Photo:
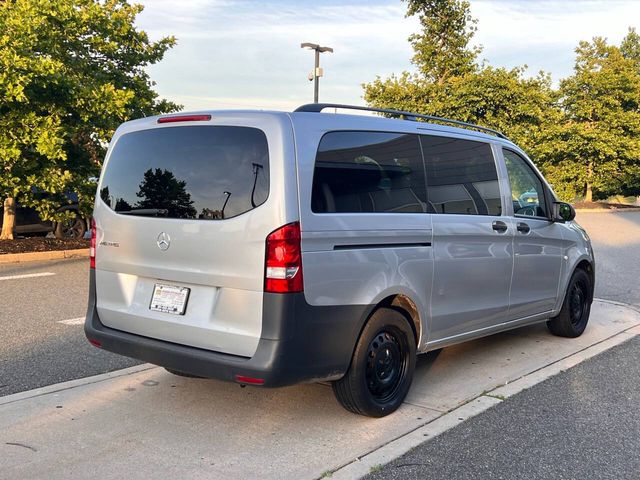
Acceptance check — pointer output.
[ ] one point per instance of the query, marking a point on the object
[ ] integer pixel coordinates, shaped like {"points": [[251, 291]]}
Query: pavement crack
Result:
{"points": [[29, 447]]}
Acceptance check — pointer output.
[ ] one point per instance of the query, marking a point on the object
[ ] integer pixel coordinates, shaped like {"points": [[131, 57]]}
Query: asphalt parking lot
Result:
{"points": [[208, 429], [42, 308], [616, 244]]}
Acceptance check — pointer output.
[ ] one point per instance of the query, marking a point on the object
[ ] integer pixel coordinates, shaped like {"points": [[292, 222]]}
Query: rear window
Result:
{"points": [[196, 172]]}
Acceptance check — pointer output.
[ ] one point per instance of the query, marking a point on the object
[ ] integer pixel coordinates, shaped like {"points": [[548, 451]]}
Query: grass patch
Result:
{"points": [[499, 397]]}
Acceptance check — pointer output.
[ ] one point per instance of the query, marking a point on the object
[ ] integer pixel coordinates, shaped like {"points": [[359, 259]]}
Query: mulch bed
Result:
{"points": [[40, 244], [605, 205]]}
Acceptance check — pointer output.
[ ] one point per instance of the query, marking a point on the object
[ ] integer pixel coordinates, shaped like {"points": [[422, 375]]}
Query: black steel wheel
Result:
{"points": [[574, 315], [381, 367], [386, 363], [74, 227]]}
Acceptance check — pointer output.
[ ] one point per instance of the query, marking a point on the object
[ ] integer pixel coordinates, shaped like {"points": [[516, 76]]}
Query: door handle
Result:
{"points": [[523, 227], [499, 226]]}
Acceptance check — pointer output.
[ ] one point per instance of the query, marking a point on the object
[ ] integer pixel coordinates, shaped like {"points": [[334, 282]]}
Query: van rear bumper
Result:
{"points": [[299, 343]]}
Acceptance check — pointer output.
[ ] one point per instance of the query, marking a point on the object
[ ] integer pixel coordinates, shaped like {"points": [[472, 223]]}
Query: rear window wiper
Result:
{"points": [[148, 212]]}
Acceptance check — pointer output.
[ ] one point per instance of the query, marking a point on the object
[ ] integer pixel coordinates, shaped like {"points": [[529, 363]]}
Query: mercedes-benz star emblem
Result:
{"points": [[164, 240]]}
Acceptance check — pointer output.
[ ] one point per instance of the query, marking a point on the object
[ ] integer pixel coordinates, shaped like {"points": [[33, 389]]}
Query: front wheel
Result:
{"points": [[381, 367], [574, 315]]}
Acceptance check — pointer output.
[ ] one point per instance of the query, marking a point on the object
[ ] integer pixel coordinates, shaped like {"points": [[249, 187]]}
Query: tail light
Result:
{"points": [[283, 261], [92, 246]]}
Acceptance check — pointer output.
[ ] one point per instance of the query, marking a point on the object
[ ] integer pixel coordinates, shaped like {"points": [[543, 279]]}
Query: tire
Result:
{"points": [[72, 228], [574, 315], [381, 368], [181, 374]]}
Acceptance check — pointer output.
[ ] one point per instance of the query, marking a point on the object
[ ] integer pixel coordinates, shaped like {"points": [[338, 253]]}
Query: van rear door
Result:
{"points": [[182, 215]]}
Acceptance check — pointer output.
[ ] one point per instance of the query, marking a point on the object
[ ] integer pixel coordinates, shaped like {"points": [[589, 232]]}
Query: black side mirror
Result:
{"points": [[563, 212]]}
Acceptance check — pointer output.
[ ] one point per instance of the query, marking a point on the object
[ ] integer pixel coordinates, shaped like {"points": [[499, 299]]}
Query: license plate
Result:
{"points": [[169, 299]]}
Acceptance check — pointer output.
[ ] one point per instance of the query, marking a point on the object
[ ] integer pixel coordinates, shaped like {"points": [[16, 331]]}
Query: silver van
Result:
{"points": [[273, 248]]}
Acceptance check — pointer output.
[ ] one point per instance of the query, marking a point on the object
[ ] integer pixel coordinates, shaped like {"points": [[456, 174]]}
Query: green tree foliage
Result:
{"points": [[70, 72], [630, 47], [598, 144], [584, 136]]}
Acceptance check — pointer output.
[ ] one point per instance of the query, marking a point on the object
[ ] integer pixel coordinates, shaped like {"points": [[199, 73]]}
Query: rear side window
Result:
{"points": [[461, 176], [368, 172], [196, 172]]}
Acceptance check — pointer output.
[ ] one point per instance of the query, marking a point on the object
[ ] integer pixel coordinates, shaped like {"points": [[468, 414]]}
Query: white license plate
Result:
{"points": [[169, 299]]}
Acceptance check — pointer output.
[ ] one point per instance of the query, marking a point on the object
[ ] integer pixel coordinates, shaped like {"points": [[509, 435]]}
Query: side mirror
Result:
{"points": [[563, 212]]}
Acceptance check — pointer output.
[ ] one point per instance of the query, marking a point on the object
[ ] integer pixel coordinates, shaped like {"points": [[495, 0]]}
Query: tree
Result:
{"points": [[630, 47], [451, 83], [599, 141], [160, 189], [442, 48], [71, 71]]}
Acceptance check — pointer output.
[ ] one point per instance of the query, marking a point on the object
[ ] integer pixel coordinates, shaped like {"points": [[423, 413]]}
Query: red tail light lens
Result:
{"points": [[283, 262], [92, 246]]}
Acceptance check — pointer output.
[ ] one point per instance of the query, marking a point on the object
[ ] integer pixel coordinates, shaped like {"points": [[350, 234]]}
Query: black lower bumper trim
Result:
{"points": [[299, 343]]}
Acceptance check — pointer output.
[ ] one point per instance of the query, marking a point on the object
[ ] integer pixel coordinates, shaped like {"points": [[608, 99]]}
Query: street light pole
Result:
{"points": [[317, 71], [316, 78]]}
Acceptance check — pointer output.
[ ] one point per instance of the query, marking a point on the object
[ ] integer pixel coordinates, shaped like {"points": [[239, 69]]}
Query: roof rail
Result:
{"points": [[318, 107]]}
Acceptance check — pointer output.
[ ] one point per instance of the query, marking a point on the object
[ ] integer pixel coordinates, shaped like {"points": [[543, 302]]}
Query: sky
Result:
{"points": [[246, 53]]}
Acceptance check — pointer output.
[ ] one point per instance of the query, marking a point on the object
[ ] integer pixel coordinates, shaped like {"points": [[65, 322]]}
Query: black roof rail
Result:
{"points": [[318, 107]]}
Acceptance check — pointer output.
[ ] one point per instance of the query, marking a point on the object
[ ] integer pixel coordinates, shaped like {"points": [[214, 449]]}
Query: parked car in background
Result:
{"points": [[28, 221]]}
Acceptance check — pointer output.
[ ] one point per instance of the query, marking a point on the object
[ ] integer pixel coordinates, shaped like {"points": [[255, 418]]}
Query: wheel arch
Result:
{"points": [[406, 306], [587, 265]]}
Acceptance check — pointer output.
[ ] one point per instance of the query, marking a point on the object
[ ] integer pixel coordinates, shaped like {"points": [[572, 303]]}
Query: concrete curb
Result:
{"points": [[398, 447], [50, 255], [607, 210], [58, 387]]}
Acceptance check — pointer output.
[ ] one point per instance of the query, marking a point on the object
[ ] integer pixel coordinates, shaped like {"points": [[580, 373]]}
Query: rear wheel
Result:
{"points": [[381, 368], [574, 315], [74, 227]]}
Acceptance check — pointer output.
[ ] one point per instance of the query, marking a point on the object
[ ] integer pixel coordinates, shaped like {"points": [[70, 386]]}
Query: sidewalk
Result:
{"points": [[144, 422]]}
